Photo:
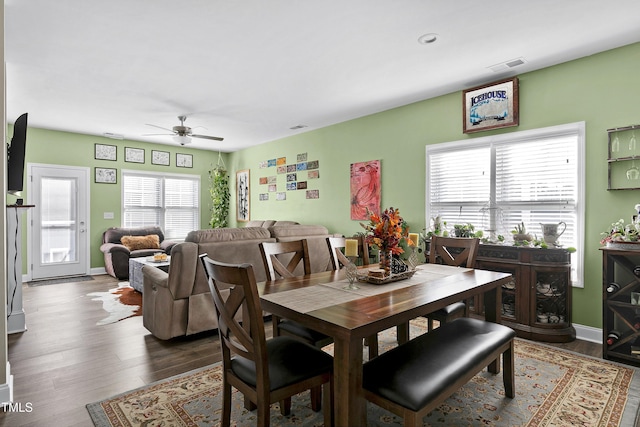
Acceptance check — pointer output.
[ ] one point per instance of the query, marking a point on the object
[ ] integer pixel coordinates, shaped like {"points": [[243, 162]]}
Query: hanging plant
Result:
{"points": [[220, 194]]}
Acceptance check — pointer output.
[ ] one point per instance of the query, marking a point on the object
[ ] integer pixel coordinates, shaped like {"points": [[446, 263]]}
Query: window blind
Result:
{"points": [[172, 202]]}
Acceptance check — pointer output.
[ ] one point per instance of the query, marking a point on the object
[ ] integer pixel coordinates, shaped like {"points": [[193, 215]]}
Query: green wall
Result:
{"points": [[601, 90], [63, 148]]}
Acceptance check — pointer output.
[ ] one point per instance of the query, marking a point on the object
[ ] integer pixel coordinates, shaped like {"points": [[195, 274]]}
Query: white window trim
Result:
{"points": [[155, 175], [571, 128]]}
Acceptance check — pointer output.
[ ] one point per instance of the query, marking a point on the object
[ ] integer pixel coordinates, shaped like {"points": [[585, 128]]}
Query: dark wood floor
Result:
{"points": [[64, 360]]}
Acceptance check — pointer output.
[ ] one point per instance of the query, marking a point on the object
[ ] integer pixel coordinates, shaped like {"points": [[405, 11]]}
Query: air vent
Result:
{"points": [[515, 62], [113, 135], [507, 65], [296, 127]]}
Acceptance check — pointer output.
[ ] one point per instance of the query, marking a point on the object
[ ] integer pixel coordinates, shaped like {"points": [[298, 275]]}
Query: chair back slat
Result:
{"points": [[439, 250], [281, 259]]}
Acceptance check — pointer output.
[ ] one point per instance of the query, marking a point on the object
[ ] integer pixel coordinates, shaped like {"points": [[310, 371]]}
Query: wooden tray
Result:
{"points": [[382, 280]]}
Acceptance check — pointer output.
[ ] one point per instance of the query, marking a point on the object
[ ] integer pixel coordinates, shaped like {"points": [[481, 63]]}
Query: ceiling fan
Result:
{"points": [[182, 134]]}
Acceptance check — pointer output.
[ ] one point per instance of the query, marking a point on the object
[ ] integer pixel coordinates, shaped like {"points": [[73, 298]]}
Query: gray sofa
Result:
{"points": [[179, 302]]}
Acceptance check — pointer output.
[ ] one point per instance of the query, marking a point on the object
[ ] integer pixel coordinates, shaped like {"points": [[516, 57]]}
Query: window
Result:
{"points": [[168, 200], [496, 182]]}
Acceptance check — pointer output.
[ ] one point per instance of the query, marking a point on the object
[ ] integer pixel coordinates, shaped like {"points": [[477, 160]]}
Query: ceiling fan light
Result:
{"points": [[182, 139]]}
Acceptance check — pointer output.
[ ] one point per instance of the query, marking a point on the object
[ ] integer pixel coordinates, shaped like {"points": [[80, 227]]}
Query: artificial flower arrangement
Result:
{"points": [[385, 231], [621, 232]]}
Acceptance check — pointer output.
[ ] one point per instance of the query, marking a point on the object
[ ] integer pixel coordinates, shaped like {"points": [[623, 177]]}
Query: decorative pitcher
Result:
{"points": [[550, 232]]}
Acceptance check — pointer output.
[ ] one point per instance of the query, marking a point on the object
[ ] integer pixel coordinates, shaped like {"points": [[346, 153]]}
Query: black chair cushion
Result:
{"points": [[418, 371], [290, 361], [297, 329]]}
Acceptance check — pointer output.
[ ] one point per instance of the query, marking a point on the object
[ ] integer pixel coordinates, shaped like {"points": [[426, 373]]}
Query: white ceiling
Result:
{"points": [[250, 70]]}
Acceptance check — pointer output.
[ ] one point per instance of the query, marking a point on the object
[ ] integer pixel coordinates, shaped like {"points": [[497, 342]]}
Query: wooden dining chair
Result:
{"points": [[264, 371], [290, 259], [455, 251], [336, 249]]}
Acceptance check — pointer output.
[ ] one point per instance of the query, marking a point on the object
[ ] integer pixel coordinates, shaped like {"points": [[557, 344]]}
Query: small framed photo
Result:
{"points": [[184, 160], [490, 106], [105, 152], [160, 158], [134, 155], [106, 175]]}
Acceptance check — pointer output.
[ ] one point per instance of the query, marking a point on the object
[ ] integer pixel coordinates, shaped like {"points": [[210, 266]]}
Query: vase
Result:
{"points": [[385, 261]]}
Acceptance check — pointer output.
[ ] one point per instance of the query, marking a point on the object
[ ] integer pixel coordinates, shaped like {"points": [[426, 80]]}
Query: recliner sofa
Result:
{"points": [[117, 254], [180, 303]]}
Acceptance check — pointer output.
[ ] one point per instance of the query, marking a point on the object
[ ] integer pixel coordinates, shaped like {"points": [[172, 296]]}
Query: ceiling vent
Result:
{"points": [[507, 65], [113, 135], [296, 127]]}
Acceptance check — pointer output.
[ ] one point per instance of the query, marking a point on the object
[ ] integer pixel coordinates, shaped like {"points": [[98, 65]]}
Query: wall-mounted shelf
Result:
{"points": [[623, 160]]}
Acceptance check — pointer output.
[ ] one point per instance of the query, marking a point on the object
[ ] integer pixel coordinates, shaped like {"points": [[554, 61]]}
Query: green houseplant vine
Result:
{"points": [[220, 194]]}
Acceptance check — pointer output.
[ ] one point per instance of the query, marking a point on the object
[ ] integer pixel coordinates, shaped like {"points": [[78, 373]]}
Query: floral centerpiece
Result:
{"points": [[385, 231], [620, 232]]}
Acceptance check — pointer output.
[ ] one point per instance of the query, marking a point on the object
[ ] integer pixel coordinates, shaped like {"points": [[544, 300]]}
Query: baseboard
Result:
{"points": [[92, 272], [97, 271], [588, 333], [6, 390]]}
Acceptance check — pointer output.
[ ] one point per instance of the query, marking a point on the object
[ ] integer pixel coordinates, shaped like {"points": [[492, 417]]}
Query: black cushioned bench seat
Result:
{"points": [[414, 378]]}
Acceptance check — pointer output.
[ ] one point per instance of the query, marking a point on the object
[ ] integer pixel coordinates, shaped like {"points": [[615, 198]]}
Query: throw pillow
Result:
{"points": [[133, 243]]}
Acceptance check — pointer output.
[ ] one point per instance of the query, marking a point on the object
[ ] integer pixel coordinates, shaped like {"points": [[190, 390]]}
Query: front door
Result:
{"points": [[58, 227]]}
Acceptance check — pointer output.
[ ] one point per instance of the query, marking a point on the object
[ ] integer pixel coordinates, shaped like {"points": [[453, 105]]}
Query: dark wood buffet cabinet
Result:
{"points": [[537, 303]]}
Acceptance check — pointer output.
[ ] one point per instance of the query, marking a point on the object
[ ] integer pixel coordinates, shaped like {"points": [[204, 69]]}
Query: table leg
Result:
{"points": [[350, 404], [492, 313]]}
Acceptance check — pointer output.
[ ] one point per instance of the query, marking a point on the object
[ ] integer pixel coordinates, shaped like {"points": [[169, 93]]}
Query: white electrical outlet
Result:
{"points": [[108, 215]]}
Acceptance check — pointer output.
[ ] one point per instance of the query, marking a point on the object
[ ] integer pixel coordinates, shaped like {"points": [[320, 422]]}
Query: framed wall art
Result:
{"points": [[160, 158], [491, 106], [184, 160], [106, 175], [242, 195], [105, 152], [365, 189], [134, 155]]}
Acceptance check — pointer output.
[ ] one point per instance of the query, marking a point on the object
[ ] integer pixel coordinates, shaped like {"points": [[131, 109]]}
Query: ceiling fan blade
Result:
{"points": [[158, 134], [215, 138], [160, 127]]}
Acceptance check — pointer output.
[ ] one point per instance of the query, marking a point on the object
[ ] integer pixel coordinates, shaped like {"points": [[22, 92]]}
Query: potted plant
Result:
{"points": [[520, 234], [220, 195], [464, 230]]}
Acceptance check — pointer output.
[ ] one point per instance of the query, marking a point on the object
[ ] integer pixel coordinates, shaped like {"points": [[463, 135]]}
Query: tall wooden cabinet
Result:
{"points": [[537, 303], [621, 305]]}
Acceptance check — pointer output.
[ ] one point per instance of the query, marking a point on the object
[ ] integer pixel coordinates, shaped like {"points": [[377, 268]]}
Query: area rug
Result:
{"points": [[61, 280], [120, 303], [553, 388]]}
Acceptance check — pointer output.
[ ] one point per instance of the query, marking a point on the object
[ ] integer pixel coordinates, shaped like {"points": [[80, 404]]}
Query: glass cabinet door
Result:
{"points": [[550, 296]]}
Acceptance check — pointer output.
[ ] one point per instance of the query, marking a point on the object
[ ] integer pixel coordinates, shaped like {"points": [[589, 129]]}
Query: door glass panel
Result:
{"points": [[58, 220]]}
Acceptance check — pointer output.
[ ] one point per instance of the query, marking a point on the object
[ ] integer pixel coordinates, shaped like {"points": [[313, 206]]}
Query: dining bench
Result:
{"points": [[416, 377]]}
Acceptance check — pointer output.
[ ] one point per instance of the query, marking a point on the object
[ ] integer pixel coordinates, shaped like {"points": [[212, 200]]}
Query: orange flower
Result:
{"points": [[386, 230]]}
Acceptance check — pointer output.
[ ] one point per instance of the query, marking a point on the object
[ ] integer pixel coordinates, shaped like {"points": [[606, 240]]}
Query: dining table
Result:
{"points": [[323, 302]]}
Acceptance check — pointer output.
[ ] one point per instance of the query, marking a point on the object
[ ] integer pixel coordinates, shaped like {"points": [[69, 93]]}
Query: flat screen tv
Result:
{"points": [[15, 156]]}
